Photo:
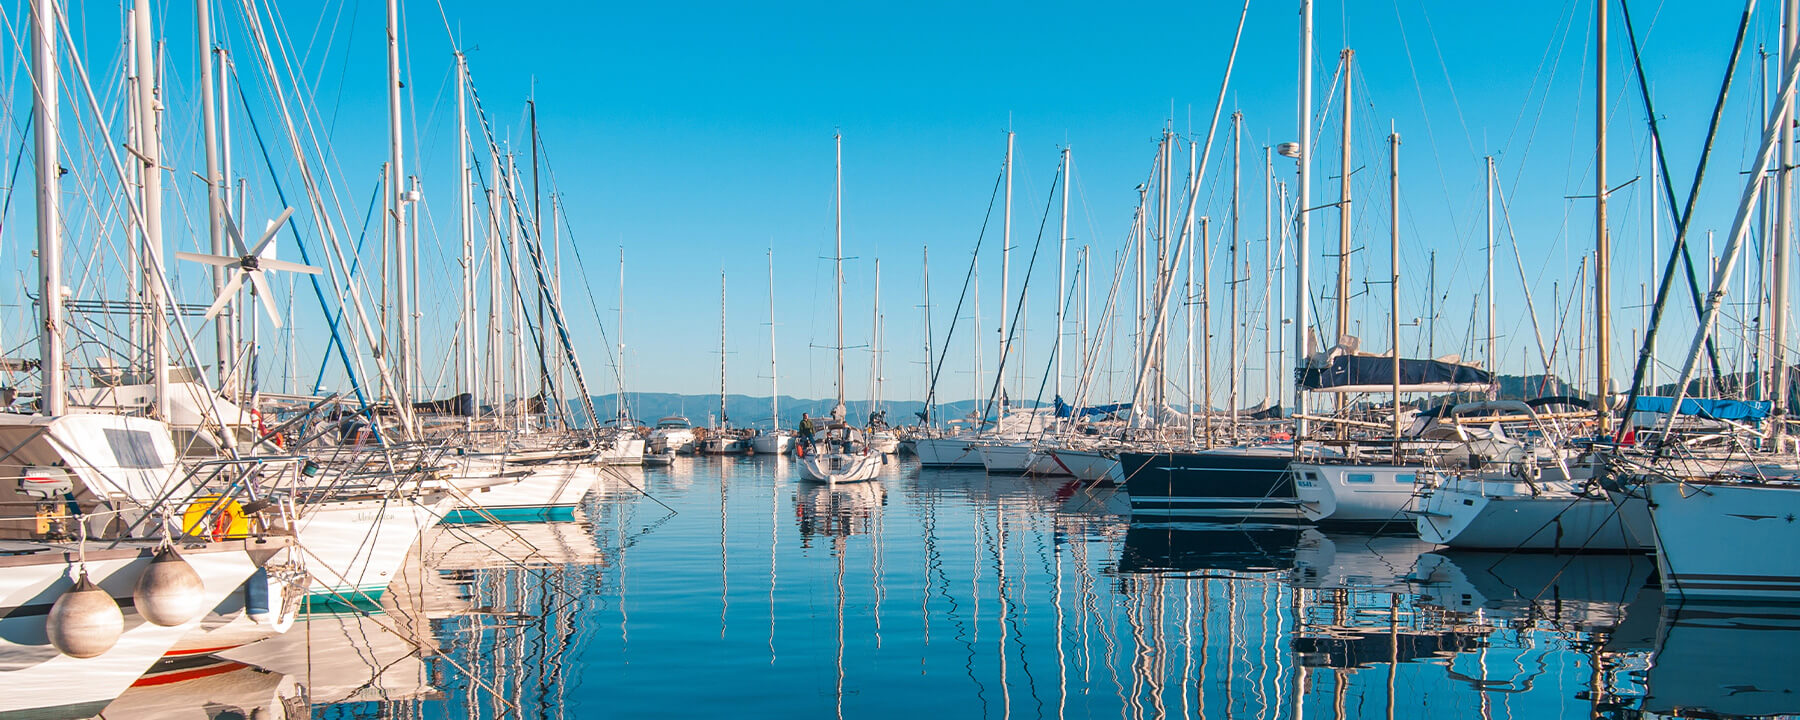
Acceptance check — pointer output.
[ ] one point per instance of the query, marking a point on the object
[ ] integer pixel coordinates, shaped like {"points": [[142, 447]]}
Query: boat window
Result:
{"points": [[1360, 478], [133, 448], [1405, 478]]}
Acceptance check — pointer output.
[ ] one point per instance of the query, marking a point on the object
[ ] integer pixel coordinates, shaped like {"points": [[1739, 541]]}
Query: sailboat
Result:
{"points": [[1723, 520], [775, 441], [838, 452], [720, 438]]}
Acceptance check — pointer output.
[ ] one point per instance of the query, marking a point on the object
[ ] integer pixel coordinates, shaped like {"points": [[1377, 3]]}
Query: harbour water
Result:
{"points": [[741, 590]]}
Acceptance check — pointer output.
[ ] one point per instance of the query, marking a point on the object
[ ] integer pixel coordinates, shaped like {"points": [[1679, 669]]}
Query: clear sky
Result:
{"points": [[698, 136]]}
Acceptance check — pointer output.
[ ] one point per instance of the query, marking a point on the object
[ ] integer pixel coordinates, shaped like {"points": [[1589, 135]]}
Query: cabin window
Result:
{"points": [[134, 449], [1360, 478], [1405, 478]]}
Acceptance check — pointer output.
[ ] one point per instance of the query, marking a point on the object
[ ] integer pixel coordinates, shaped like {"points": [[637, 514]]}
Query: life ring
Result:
{"points": [[229, 522]]}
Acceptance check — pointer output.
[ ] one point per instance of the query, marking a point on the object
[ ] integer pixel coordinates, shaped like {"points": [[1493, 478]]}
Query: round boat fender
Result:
{"points": [[170, 592], [85, 621]]}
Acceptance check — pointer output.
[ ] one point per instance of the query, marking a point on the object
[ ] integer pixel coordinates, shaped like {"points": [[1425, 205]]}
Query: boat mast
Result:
{"points": [[397, 198], [1602, 243], [215, 182], [1778, 304], [875, 344], [930, 387], [1348, 58], [226, 196], [149, 151], [720, 348], [1765, 156], [1203, 249], [1302, 233], [1062, 279], [1237, 176], [1268, 270], [496, 301], [1488, 182], [1188, 305], [521, 313], [1394, 273], [838, 411], [52, 398], [619, 400], [1165, 277], [774, 377], [465, 207], [1005, 271]]}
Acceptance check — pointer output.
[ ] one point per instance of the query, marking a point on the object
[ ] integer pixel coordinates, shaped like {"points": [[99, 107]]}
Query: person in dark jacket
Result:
{"points": [[806, 426]]}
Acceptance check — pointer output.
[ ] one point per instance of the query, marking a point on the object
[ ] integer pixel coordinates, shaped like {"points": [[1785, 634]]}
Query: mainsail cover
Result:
{"points": [[1375, 373], [1063, 409]]}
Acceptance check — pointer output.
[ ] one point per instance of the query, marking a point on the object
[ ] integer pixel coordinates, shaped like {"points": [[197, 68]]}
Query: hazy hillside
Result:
{"points": [[753, 411], [745, 410]]}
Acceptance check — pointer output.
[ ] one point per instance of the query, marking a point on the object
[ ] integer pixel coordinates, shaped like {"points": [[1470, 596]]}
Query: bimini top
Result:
{"points": [[674, 422]]}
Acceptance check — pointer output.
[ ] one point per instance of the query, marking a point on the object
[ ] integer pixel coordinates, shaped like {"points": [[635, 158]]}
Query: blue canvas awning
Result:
{"points": [[1063, 410], [1708, 408]]}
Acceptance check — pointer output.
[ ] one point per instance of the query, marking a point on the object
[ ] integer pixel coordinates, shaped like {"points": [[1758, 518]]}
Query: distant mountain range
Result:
{"points": [[748, 411], [753, 411]]}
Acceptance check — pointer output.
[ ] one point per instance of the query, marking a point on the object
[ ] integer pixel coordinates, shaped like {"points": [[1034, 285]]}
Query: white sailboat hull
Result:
{"points": [[1085, 465], [1727, 542], [497, 491], [836, 468], [42, 682], [777, 443], [621, 451], [1500, 515], [947, 452], [353, 548], [681, 441], [1018, 459], [1356, 493]]}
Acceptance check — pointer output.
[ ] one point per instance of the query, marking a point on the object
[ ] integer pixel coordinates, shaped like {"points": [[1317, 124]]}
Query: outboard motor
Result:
{"points": [[55, 493]]}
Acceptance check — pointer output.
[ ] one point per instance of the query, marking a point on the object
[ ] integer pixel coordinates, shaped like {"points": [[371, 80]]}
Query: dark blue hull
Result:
{"points": [[1220, 484]]}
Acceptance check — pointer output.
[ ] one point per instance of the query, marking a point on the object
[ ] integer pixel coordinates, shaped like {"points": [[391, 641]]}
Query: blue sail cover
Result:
{"points": [[1708, 408], [1063, 410], [1375, 373]]}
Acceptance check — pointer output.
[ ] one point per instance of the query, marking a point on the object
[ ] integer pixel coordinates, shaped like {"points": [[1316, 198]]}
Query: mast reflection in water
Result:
{"points": [[954, 594]]}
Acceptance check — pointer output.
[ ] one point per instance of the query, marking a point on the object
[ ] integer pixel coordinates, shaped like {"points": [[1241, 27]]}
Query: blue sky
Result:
{"points": [[698, 135]]}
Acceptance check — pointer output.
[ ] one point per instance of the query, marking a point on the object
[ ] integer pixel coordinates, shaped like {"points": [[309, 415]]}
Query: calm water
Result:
{"points": [[953, 594]]}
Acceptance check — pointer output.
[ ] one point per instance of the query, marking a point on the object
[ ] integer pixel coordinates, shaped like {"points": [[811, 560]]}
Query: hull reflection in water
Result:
{"points": [[1727, 660], [952, 594], [1188, 547]]}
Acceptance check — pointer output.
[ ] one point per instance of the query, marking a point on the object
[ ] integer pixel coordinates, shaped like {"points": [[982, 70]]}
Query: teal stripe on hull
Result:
{"points": [[343, 601], [466, 516]]}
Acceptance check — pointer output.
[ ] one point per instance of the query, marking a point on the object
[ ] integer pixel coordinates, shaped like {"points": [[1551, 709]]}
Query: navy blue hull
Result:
{"points": [[1210, 484]]}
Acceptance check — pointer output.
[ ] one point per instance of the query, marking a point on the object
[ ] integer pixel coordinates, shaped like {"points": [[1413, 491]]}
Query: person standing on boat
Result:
{"points": [[806, 426]]}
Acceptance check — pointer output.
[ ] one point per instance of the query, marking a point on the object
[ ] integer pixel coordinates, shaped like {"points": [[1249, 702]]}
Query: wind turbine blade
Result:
{"points": [[219, 260], [225, 295], [268, 235], [236, 235], [261, 291], [286, 266]]}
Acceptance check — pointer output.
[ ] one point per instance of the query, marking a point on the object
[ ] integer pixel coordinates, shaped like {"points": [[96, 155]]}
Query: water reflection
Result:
{"points": [[955, 594]]}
